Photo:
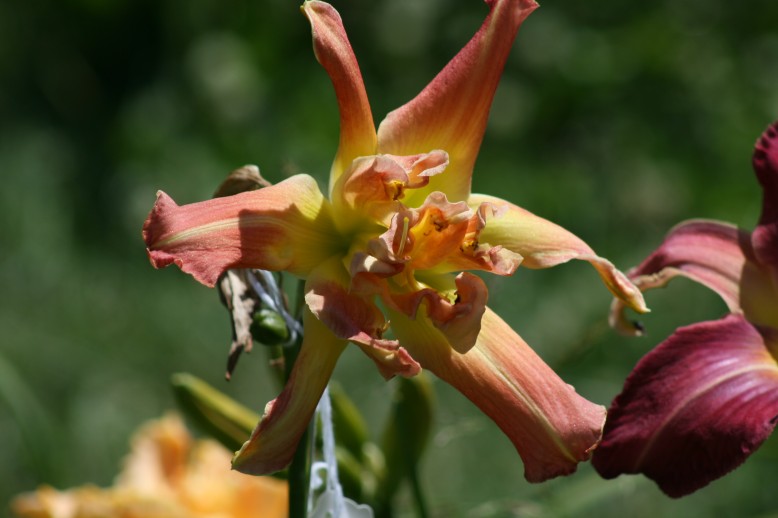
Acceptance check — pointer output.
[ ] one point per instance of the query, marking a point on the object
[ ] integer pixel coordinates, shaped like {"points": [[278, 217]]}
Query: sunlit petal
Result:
{"points": [[273, 442], [334, 52], [451, 112], [695, 407], [287, 226], [544, 244], [552, 427]]}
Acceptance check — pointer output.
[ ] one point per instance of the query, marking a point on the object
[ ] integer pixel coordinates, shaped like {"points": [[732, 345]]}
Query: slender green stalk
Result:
{"points": [[300, 475], [300, 469], [418, 494]]}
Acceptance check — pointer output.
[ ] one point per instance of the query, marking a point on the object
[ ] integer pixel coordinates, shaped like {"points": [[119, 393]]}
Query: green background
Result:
{"points": [[614, 119]]}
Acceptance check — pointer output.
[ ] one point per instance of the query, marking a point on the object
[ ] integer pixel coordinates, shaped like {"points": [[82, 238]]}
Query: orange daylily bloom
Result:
{"points": [[397, 226], [168, 474]]}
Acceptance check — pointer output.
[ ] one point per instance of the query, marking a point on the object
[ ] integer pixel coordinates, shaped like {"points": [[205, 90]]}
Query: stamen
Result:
{"points": [[404, 237]]}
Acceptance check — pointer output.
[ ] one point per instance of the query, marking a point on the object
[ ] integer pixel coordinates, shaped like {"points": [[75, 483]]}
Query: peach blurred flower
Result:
{"points": [[167, 474]]}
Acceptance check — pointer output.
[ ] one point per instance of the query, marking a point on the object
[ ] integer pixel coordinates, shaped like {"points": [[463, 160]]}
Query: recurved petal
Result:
{"points": [[274, 440], [544, 244], [765, 162], [451, 112], [287, 226], [552, 427], [695, 407], [705, 251], [334, 52], [353, 317]]}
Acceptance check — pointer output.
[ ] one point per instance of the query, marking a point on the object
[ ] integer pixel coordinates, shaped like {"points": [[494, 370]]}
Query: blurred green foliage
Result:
{"points": [[615, 120]]}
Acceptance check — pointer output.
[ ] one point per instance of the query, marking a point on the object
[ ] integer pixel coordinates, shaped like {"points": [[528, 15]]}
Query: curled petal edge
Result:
{"points": [[543, 244], [706, 251], [460, 320], [353, 317]]}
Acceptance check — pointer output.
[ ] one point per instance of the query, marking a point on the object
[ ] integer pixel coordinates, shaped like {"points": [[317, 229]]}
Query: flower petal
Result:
{"points": [[705, 251], [765, 162], [373, 186], [438, 237], [695, 407], [334, 52], [287, 226], [544, 244], [459, 320], [274, 440], [451, 112], [352, 317], [551, 426]]}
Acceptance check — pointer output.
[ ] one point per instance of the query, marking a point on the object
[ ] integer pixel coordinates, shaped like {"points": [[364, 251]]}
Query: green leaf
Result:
{"points": [[405, 438], [217, 414]]}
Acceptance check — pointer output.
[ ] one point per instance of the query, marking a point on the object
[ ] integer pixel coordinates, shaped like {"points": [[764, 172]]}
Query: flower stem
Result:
{"points": [[300, 468], [300, 476], [418, 494]]}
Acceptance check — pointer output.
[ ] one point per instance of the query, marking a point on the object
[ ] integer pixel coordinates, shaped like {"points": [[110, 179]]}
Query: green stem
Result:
{"points": [[300, 468], [300, 476], [418, 494]]}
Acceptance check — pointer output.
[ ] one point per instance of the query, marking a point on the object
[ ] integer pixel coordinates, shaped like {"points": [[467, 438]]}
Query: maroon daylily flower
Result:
{"points": [[700, 403]]}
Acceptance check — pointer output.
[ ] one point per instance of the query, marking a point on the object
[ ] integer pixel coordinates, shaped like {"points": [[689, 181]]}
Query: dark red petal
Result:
{"points": [[694, 408], [765, 162]]}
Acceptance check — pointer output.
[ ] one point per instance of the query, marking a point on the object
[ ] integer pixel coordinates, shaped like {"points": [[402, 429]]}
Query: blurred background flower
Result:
{"points": [[614, 120], [167, 474]]}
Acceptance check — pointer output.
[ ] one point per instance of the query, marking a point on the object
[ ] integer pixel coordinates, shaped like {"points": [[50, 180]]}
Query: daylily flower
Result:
{"points": [[167, 474], [700, 403], [398, 224]]}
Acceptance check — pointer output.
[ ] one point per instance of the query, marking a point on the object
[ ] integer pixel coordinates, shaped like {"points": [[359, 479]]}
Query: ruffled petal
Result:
{"points": [[287, 226], [551, 426], [352, 317], [373, 185], [476, 253], [460, 319], [695, 407], [334, 52], [544, 244], [274, 440], [765, 162], [451, 112], [705, 251], [438, 237]]}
